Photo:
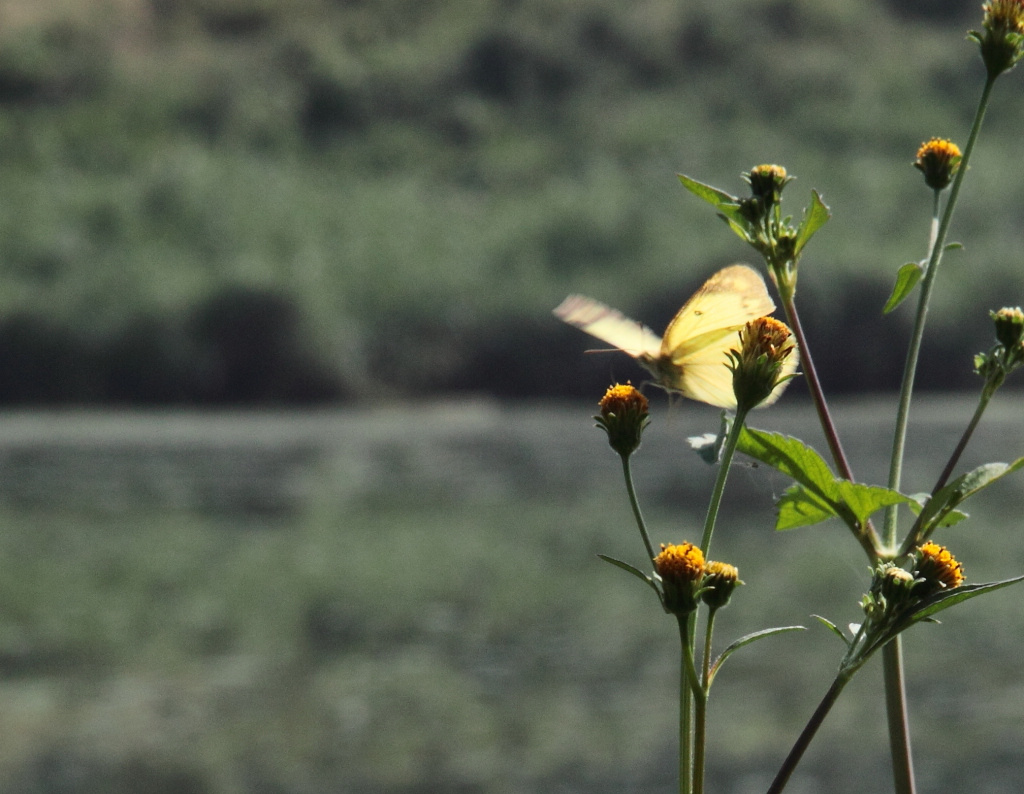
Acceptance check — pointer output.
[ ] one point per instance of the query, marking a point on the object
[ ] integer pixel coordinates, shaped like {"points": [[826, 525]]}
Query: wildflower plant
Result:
{"points": [[912, 577]]}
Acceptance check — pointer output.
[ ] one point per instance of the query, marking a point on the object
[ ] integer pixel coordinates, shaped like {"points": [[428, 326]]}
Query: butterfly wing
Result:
{"points": [[693, 351], [609, 326]]}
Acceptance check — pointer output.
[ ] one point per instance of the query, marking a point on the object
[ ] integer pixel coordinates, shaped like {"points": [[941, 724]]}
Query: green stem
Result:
{"points": [[686, 625], [928, 283], [635, 504], [807, 734], [700, 711], [728, 451], [916, 536], [896, 699], [896, 710]]}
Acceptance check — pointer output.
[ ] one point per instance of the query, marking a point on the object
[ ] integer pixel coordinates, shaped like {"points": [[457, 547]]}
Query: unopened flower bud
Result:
{"points": [[1009, 326], [938, 159], [766, 183], [763, 364], [720, 579], [623, 416], [1002, 39]]}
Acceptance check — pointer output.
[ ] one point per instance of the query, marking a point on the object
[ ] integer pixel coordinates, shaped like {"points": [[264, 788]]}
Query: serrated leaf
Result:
{"points": [[823, 495], [906, 279], [746, 640], [815, 217], [966, 485], [633, 570], [948, 598]]}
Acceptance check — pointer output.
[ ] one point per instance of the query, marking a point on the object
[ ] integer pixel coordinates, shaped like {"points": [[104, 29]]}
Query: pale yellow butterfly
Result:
{"points": [[691, 357]]}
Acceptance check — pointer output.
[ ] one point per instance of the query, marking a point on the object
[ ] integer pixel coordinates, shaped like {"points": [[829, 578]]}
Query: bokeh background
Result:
{"points": [[297, 485]]}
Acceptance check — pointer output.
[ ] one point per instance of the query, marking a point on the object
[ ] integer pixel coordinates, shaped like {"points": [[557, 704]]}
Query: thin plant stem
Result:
{"points": [[686, 625], [896, 709], [896, 698], [807, 734], [927, 284], [635, 504], [728, 451], [700, 710]]}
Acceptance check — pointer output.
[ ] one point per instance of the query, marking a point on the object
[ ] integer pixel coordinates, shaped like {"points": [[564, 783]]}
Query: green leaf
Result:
{"points": [[823, 494], [833, 628], [798, 507], [952, 517], [726, 204], [633, 570], [948, 598], [907, 278], [814, 218], [940, 506], [746, 640]]}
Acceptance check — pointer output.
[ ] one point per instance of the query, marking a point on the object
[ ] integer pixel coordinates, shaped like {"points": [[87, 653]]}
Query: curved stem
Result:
{"points": [[635, 504]]}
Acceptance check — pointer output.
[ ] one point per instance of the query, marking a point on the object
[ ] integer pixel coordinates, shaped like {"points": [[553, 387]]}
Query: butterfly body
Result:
{"points": [[691, 357]]}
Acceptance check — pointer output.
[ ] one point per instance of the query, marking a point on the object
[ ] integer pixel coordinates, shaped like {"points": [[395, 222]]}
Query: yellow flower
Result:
{"points": [[1009, 326], [763, 364], [681, 568], [939, 160], [721, 579], [623, 416], [938, 567]]}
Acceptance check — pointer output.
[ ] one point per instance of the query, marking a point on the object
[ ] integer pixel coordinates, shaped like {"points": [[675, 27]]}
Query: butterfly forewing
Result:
{"points": [[728, 300], [609, 326]]}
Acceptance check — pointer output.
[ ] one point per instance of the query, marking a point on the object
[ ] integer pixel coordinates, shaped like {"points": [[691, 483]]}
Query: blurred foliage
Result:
{"points": [[420, 181]]}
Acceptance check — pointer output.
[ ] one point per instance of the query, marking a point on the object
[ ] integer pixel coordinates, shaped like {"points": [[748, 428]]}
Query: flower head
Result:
{"points": [[681, 568], [1002, 40], [623, 416], [720, 579], [1009, 326], [766, 183], [937, 567], [939, 160], [764, 362]]}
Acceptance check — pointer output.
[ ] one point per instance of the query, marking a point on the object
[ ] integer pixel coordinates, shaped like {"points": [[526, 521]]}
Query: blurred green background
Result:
{"points": [[296, 201], [354, 216]]}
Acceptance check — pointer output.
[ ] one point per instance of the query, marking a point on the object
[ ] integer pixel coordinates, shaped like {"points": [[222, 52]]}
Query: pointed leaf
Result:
{"points": [[948, 598], [907, 278], [746, 640], [633, 570], [726, 204], [964, 486], [833, 628], [919, 500], [814, 218], [864, 500], [798, 507]]}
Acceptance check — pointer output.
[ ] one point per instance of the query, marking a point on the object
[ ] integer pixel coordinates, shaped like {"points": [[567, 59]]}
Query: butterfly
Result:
{"points": [[691, 357]]}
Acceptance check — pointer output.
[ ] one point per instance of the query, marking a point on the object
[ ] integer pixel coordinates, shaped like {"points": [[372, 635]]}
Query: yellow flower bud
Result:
{"points": [[681, 568], [763, 363], [938, 567], [939, 160], [623, 416], [721, 579]]}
